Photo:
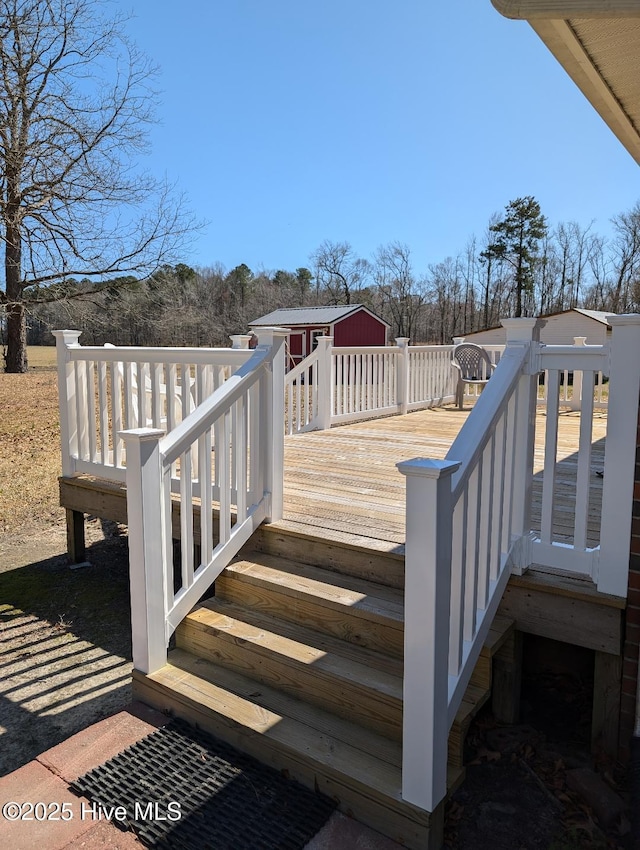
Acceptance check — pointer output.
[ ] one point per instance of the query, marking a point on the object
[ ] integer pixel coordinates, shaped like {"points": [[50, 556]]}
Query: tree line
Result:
{"points": [[93, 242], [521, 266]]}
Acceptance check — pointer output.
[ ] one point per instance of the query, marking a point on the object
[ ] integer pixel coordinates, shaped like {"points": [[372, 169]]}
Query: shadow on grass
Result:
{"points": [[65, 649]]}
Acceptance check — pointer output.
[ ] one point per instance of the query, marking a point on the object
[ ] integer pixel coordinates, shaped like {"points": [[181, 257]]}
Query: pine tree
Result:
{"points": [[516, 241]]}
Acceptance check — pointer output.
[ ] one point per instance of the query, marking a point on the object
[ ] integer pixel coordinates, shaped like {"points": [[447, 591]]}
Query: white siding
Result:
{"points": [[561, 329], [493, 336]]}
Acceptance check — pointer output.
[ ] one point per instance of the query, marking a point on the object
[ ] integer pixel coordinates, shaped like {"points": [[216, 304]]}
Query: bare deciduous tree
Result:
{"points": [[339, 270], [626, 260], [76, 98], [401, 295]]}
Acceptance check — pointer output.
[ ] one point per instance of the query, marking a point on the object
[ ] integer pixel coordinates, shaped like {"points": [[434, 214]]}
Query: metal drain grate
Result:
{"points": [[184, 790]]}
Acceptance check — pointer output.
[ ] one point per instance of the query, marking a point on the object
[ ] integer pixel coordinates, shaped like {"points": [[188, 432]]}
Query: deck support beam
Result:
{"points": [[605, 720], [76, 548], [506, 680]]}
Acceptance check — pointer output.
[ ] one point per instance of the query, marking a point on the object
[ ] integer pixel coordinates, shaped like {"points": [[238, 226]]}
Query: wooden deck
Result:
{"points": [[344, 482]]}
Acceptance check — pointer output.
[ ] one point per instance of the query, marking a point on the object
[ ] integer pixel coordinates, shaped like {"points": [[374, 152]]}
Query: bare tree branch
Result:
{"points": [[76, 101]]}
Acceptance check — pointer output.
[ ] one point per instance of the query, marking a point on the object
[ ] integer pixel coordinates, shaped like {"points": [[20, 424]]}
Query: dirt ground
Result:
{"points": [[64, 638]]}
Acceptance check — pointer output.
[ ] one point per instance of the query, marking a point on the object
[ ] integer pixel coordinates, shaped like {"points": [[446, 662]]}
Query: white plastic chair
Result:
{"points": [[474, 367]]}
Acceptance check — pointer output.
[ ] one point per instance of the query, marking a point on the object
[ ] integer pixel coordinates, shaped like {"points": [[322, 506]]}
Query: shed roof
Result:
{"points": [[596, 315], [597, 42], [295, 316]]}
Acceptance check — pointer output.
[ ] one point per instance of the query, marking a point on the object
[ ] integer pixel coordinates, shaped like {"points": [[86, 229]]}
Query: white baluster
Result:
{"points": [[402, 374]]}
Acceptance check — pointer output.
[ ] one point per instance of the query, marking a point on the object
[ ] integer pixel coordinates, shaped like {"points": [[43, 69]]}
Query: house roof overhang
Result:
{"points": [[598, 44]]}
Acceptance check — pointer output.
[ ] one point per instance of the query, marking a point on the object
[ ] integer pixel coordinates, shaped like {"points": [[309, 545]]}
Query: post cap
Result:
{"points": [[428, 467], [67, 337], [142, 434], [267, 336], [240, 340]]}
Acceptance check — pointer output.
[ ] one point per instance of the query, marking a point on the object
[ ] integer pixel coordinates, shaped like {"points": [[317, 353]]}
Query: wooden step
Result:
{"points": [[352, 609], [350, 554], [353, 682], [355, 766]]}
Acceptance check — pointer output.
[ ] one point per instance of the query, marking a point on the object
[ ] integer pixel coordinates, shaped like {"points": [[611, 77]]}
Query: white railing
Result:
{"points": [[465, 518], [367, 382], [591, 541], [431, 379], [469, 525], [238, 435], [334, 386], [105, 390], [569, 388], [302, 398]]}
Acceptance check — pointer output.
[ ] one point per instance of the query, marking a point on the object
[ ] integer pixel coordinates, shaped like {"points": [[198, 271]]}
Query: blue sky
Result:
{"points": [[288, 123]]}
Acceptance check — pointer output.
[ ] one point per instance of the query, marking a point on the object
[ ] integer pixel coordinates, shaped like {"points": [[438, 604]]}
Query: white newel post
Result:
{"points": [[272, 423], [67, 398], [576, 395], [402, 373], [523, 333], [426, 630], [240, 340], [148, 570], [619, 456], [326, 382]]}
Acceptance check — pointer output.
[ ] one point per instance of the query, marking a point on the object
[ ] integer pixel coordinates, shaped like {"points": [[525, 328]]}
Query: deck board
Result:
{"points": [[345, 479]]}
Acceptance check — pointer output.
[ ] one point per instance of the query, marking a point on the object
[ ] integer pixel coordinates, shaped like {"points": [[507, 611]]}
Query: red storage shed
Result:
{"points": [[352, 324]]}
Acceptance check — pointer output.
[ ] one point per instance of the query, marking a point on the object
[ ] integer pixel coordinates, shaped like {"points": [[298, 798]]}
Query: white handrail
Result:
{"points": [[470, 443], [239, 436], [139, 354], [469, 523], [301, 394], [464, 526], [184, 434]]}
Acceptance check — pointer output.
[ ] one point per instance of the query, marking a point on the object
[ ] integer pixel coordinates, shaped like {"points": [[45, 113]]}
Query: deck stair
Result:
{"points": [[298, 661]]}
